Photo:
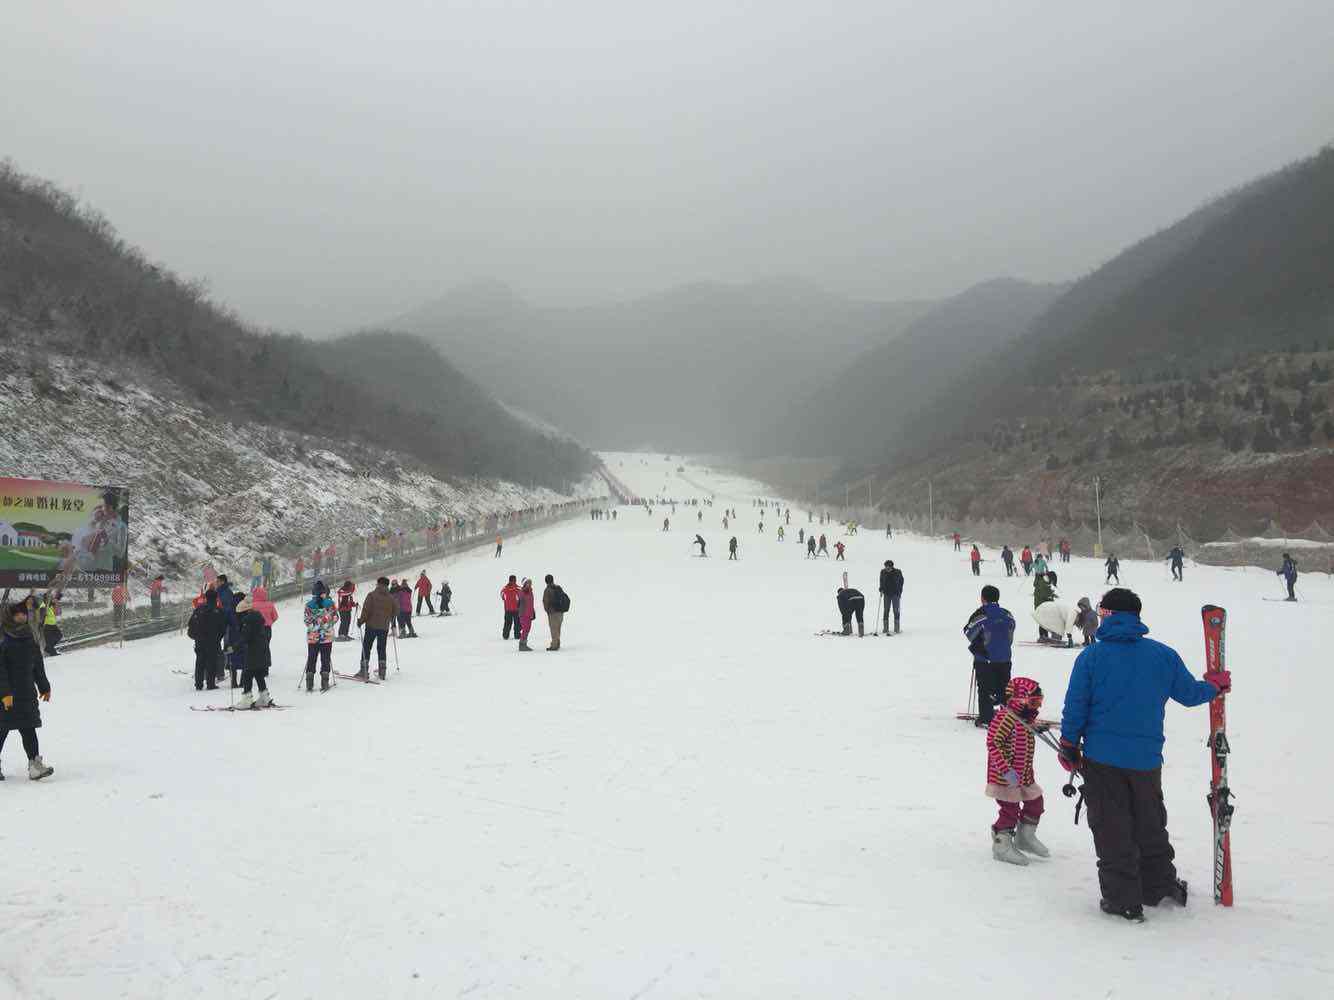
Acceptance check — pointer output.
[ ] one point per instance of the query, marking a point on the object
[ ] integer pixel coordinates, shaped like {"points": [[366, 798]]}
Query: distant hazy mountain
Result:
{"points": [[864, 405], [700, 367]]}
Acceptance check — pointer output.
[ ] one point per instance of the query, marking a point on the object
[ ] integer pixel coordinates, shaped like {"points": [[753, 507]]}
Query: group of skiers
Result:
{"points": [[519, 603], [1111, 734]]}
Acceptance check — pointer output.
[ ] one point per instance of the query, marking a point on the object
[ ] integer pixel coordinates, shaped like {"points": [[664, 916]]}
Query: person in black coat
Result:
{"points": [[253, 642], [851, 602], [207, 627], [891, 589], [446, 595], [22, 681]]}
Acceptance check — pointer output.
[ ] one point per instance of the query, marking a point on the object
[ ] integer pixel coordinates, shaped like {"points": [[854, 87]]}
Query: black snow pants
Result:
{"points": [[1128, 819], [991, 681], [321, 650], [344, 623], [206, 666], [29, 737], [376, 637], [511, 619]]}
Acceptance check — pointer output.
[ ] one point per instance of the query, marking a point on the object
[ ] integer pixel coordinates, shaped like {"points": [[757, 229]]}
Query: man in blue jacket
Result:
{"points": [[990, 632], [1112, 731]]}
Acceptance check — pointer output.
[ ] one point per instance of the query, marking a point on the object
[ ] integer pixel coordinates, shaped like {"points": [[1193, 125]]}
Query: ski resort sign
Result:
{"points": [[76, 534]]}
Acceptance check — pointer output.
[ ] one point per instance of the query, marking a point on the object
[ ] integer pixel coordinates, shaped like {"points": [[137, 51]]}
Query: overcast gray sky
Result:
{"points": [[327, 163]]}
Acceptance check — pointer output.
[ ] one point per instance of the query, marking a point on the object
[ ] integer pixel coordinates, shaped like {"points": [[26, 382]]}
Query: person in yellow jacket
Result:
{"points": [[50, 628]]}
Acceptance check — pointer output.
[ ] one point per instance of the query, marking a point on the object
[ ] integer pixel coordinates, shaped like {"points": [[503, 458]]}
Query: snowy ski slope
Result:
{"points": [[696, 797]]}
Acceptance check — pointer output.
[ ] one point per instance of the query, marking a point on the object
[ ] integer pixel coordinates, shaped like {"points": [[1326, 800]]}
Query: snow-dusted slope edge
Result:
{"points": [[204, 489]]}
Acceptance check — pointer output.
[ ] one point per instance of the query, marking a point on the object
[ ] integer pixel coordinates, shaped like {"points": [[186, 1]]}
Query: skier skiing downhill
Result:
{"points": [[699, 540], [23, 682], [1010, 778], [1113, 566], [320, 616], [1176, 559], [1289, 573], [1112, 733], [990, 634]]}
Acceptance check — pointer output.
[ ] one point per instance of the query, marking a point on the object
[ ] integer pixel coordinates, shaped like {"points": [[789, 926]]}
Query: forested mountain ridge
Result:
{"points": [[69, 285]]}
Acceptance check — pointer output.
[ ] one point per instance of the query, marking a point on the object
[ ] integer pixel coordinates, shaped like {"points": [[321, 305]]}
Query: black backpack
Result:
{"points": [[192, 629], [560, 600]]}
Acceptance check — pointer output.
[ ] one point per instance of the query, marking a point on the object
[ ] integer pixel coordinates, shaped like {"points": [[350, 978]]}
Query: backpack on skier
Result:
{"points": [[560, 600]]}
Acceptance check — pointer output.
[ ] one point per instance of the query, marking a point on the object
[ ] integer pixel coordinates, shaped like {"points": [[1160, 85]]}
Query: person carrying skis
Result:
{"points": [[206, 627], [810, 546], [891, 589], [1010, 778], [346, 602], [22, 682], [509, 598], [1113, 565], [527, 612], [975, 560], [1176, 559], [1112, 733], [851, 602], [1007, 558], [445, 594], [1289, 573], [839, 548], [731, 550], [1026, 560], [320, 616], [699, 540], [255, 634], [423, 588], [990, 633], [378, 612]]}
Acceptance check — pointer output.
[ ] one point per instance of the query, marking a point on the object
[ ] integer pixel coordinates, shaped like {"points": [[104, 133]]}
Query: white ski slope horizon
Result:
{"points": [[696, 797]]}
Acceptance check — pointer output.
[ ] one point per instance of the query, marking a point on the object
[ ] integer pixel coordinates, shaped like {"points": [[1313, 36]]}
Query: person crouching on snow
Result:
{"points": [[1010, 779]]}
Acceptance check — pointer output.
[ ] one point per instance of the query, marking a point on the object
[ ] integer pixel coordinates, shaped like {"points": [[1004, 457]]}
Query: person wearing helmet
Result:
{"points": [[1010, 779]]}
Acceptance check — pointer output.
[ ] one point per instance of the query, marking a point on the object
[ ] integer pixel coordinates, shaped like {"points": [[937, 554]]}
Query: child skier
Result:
{"points": [[1010, 779]]}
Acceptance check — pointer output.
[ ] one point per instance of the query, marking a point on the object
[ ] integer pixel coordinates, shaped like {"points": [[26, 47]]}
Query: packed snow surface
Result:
{"points": [[696, 797]]}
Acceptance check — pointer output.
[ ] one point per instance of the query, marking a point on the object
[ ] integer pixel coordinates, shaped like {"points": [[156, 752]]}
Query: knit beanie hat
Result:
{"points": [[1121, 599]]}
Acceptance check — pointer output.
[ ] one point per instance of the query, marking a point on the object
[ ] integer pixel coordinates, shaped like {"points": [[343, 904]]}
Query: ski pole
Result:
{"points": [[395, 634]]}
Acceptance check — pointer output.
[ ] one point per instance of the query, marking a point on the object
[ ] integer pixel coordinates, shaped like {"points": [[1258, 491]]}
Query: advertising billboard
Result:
{"points": [[73, 532]]}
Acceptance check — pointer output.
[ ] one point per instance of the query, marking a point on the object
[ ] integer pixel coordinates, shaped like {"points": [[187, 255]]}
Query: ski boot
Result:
{"points": [[364, 671], [1002, 848], [524, 647], [324, 681], [38, 769], [247, 701], [1177, 893], [382, 670], [310, 680], [264, 700], [861, 631], [1026, 839], [1135, 914], [847, 629]]}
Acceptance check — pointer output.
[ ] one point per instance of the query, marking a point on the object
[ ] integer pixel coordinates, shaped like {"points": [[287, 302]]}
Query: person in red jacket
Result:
{"points": [[975, 557], [840, 548], [509, 596], [424, 593], [119, 595], [1026, 558], [346, 603], [956, 542]]}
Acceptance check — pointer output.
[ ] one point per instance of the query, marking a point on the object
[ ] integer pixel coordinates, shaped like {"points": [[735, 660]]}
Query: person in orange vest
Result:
{"points": [[119, 595], [424, 593]]}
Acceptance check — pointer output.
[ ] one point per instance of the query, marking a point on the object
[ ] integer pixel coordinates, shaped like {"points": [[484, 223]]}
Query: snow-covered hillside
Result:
{"points": [[696, 797], [205, 490]]}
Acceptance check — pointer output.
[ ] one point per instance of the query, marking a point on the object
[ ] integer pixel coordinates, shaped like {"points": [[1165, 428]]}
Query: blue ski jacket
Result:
{"points": [[990, 631], [1118, 692]]}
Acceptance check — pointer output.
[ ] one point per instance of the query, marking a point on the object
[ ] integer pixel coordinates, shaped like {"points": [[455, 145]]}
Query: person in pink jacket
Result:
{"points": [[527, 612], [404, 595]]}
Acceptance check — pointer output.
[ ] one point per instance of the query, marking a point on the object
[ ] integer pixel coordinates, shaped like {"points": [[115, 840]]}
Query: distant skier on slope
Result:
{"points": [[975, 560], [1176, 559], [780, 532], [1289, 573], [1010, 778], [958, 542], [851, 602], [446, 593], [840, 549], [1007, 557], [699, 540], [1026, 560], [810, 547], [1113, 566], [731, 550], [1112, 733]]}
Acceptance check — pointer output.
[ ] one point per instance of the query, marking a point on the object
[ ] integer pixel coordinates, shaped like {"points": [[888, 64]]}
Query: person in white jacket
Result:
{"points": [[1059, 620]]}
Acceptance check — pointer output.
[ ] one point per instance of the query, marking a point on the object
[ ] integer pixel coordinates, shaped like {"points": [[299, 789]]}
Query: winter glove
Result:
{"points": [[7, 701], [1221, 679], [1069, 756], [46, 696], [1011, 778]]}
